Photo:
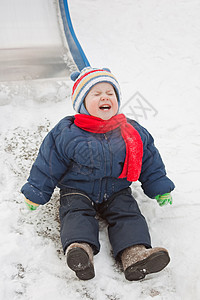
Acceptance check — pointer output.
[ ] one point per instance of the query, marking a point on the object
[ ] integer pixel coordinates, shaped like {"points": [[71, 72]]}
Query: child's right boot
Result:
{"points": [[138, 261], [80, 260]]}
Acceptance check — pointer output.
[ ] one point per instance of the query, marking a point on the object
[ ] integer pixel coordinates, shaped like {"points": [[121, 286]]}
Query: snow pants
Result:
{"points": [[126, 225]]}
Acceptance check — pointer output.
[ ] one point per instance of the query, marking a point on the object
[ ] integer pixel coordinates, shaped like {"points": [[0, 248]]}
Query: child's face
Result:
{"points": [[101, 101]]}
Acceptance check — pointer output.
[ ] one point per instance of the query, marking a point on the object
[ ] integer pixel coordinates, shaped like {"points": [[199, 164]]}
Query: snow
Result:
{"points": [[153, 49]]}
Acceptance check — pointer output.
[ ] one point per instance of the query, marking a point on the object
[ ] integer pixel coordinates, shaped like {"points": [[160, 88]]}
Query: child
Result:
{"points": [[93, 157]]}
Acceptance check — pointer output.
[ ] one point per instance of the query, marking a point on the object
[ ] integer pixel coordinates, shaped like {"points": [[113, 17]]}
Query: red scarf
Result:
{"points": [[132, 139]]}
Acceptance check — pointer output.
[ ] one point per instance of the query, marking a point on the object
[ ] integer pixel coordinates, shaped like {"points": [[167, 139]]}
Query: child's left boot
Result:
{"points": [[138, 261], [80, 260]]}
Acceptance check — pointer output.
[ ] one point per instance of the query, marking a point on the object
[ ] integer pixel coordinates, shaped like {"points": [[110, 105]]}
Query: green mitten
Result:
{"points": [[31, 205], [164, 199]]}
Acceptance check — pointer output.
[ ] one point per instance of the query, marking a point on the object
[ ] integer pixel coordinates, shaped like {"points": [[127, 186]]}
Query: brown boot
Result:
{"points": [[138, 261], [80, 260]]}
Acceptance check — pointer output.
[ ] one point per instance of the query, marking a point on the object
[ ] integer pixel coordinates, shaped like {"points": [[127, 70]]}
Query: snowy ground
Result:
{"points": [[153, 49]]}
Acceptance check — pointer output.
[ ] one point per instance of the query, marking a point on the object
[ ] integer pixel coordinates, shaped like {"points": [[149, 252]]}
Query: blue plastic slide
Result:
{"points": [[73, 43]]}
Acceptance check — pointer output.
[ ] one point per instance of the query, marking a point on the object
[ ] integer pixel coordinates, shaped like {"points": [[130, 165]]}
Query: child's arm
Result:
{"points": [[49, 167], [153, 174]]}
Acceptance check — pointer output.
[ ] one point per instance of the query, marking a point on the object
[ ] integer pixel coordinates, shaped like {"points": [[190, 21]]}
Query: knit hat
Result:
{"points": [[85, 80]]}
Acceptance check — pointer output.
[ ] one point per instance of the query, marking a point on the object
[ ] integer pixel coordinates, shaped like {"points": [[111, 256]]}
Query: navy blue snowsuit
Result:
{"points": [[85, 166]]}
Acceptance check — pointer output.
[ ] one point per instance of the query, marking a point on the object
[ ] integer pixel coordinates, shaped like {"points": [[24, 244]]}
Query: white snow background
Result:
{"points": [[153, 48]]}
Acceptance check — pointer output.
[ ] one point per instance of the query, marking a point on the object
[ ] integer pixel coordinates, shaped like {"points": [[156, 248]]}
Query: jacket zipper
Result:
{"points": [[105, 196]]}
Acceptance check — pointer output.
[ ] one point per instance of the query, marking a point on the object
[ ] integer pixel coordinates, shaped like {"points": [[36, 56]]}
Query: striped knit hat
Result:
{"points": [[85, 80]]}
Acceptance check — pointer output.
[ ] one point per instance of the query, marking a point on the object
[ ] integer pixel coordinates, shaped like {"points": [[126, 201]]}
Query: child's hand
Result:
{"points": [[164, 199], [31, 205]]}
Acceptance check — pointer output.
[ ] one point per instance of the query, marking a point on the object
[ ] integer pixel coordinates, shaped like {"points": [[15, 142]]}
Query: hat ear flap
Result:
{"points": [[74, 75], [106, 69]]}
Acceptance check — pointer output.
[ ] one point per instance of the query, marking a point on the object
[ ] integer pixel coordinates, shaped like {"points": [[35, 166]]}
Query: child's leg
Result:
{"points": [[130, 239], [127, 226], [77, 218]]}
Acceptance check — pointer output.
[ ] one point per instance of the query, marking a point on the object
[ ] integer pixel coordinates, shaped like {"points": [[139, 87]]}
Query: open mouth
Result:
{"points": [[105, 107]]}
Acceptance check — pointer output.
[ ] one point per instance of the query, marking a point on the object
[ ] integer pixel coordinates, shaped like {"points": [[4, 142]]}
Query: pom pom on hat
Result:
{"points": [[74, 75], [86, 79]]}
